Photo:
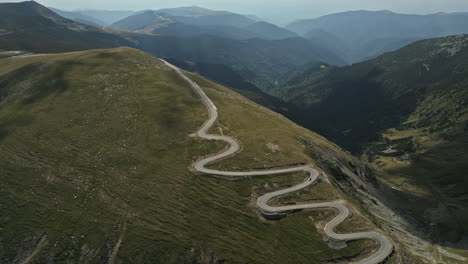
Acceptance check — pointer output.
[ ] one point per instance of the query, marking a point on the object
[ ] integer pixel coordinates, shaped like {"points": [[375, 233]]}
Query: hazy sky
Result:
{"points": [[280, 11]]}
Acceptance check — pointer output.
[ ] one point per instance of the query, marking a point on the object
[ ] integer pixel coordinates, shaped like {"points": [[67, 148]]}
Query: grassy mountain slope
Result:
{"points": [[31, 27], [366, 34], [95, 154], [420, 94]]}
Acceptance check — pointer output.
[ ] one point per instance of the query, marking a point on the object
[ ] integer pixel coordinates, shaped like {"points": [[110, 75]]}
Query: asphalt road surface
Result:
{"points": [[379, 256]]}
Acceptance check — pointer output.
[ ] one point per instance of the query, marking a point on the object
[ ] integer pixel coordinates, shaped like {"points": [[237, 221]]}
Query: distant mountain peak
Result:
{"points": [[196, 8], [363, 11], [190, 15], [29, 14], [254, 17], [387, 11], [263, 23], [33, 4], [193, 11], [35, 8], [29, 2]]}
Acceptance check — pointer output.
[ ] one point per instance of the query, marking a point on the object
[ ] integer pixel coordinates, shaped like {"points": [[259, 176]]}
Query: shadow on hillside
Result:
{"points": [[437, 220]]}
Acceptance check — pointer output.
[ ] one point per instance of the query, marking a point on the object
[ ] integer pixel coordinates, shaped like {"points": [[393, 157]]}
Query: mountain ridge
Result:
{"points": [[78, 17], [256, 60], [356, 29], [217, 23]]}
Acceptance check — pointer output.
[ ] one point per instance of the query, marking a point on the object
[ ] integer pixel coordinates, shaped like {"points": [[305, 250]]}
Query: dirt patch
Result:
{"points": [[273, 148]]}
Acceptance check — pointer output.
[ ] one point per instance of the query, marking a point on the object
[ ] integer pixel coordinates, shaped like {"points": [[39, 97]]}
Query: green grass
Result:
{"points": [[99, 140]]}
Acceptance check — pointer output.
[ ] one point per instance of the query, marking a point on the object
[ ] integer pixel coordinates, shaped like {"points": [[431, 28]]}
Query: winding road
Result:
{"points": [[379, 256]]}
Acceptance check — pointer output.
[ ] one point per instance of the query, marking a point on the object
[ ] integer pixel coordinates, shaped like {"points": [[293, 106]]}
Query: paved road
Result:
{"points": [[386, 246]]}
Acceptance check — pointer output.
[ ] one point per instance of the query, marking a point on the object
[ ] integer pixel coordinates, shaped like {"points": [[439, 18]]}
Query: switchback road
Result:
{"points": [[379, 256]]}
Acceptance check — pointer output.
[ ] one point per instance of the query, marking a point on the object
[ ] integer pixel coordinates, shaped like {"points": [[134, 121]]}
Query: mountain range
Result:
{"points": [[361, 35], [259, 61], [365, 34], [194, 21]]}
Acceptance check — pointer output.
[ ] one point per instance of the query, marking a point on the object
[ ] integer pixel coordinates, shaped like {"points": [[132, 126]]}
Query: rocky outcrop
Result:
{"points": [[379, 201]]}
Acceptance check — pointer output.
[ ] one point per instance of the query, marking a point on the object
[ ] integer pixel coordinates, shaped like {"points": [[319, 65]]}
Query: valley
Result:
{"points": [[418, 148]]}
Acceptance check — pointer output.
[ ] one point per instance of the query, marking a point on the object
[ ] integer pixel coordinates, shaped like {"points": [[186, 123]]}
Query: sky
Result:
{"points": [[277, 11]]}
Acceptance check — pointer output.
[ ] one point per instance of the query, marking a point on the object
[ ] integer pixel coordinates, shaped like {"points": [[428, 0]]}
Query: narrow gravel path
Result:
{"points": [[379, 256]]}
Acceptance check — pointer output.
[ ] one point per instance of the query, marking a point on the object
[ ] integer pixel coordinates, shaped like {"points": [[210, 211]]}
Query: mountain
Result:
{"points": [[206, 17], [29, 26], [26, 15], [107, 16], [141, 20], [184, 30], [193, 11], [385, 79], [406, 111], [96, 153], [328, 40], [258, 61], [270, 31], [254, 18], [193, 16], [155, 22], [367, 34], [194, 21], [78, 17]]}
